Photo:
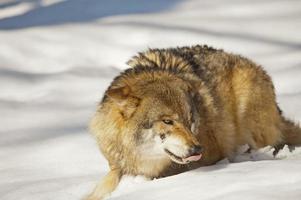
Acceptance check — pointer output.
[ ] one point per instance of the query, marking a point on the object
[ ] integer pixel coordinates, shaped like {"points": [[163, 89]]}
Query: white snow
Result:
{"points": [[57, 57]]}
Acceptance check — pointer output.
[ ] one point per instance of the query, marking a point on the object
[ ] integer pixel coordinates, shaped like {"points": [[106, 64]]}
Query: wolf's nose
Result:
{"points": [[195, 150]]}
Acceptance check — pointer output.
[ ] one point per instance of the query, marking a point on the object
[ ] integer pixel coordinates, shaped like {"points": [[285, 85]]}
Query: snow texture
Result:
{"points": [[57, 58]]}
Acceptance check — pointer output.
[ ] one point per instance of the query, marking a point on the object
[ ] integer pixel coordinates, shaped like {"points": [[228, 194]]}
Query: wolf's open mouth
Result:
{"points": [[174, 157], [180, 160]]}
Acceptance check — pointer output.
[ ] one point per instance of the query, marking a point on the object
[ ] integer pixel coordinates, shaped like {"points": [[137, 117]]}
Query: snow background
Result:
{"points": [[57, 57]]}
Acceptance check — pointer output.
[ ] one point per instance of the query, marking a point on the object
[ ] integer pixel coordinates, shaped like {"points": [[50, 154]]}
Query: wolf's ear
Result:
{"points": [[126, 102], [119, 94]]}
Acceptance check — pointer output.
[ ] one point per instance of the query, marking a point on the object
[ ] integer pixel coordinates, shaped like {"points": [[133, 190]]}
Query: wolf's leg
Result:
{"points": [[106, 185], [261, 125]]}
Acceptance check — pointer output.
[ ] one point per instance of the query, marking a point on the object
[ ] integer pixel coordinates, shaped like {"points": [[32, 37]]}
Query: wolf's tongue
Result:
{"points": [[192, 158]]}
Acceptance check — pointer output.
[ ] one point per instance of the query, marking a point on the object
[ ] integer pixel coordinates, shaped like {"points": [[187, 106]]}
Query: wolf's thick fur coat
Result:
{"points": [[174, 99]]}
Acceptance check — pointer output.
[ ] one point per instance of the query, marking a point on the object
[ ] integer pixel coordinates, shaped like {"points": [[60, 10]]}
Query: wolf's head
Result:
{"points": [[162, 113]]}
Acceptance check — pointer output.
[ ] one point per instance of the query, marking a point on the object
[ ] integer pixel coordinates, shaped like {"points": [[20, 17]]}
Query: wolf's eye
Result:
{"points": [[168, 121]]}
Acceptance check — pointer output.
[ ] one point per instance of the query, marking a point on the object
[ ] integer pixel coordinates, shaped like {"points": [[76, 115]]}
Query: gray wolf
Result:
{"points": [[178, 109]]}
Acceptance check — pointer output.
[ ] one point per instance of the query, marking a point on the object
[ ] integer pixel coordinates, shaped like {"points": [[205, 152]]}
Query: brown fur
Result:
{"points": [[228, 99]]}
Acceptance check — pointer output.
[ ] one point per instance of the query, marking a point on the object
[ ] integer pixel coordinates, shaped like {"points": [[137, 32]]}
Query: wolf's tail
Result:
{"points": [[291, 132]]}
